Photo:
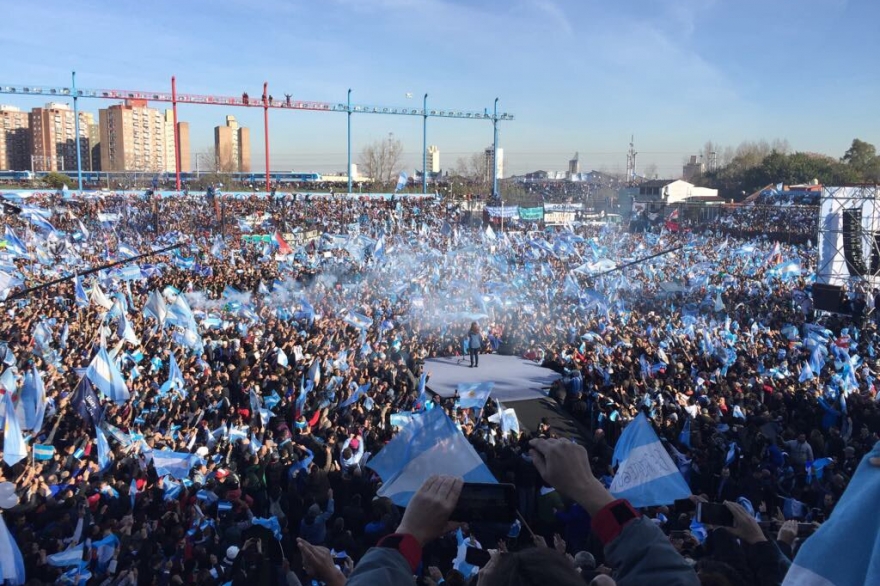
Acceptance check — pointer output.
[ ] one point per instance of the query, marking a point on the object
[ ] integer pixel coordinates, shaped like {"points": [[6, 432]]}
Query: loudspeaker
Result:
{"points": [[827, 297], [852, 242]]}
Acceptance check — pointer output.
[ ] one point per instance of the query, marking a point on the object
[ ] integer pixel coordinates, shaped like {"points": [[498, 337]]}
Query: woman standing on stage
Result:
{"points": [[475, 343]]}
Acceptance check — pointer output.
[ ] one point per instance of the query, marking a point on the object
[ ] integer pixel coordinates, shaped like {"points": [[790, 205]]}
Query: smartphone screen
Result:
{"points": [[714, 514], [477, 557], [493, 503]]}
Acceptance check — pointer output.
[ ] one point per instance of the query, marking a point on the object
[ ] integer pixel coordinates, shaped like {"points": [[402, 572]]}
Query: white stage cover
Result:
{"points": [[515, 379]]}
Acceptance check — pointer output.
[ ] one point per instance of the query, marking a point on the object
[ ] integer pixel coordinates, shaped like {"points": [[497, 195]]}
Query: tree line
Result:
{"points": [[755, 165]]}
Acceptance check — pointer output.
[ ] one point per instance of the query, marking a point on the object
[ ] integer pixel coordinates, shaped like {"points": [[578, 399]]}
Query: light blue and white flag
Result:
{"points": [[43, 452], [103, 448], [82, 299], [282, 358], [845, 550], [506, 418], [14, 447], [175, 378], [430, 444], [646, 476], [11, 560], [424, 400], [401, 181], [69, 557], [105, 375], [355, 396], [33, 400], [474, 395], [155, 307], [270, 523], [174, 464]]}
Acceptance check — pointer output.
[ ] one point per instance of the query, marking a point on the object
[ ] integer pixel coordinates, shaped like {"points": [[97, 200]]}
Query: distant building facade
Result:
{"points": [[232, 147], [693, 168], [135, 137], [489, 161], [432, 165], [53, 137], [15, 139]]}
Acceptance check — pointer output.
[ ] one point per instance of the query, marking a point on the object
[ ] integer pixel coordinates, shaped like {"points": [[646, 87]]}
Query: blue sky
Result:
{"points": [[580, 75]]}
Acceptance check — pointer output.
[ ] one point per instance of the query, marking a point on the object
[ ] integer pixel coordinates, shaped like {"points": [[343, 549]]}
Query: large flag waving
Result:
{"points": [[105, 375], [14, 448], [647, 476], [11, 560], [821, 561], [473, 395], [429, 444]]}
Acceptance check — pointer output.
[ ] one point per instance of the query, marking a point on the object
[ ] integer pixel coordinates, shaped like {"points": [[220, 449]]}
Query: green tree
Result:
{"points": [[863, 160], [57, 180]]}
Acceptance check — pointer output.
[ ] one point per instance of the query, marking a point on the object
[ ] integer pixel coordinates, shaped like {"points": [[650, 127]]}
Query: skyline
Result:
{"points": [[578, 76]]}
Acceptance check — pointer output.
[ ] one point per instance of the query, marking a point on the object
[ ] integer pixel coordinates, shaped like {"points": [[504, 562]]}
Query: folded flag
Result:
{"points": [[647, 475]]}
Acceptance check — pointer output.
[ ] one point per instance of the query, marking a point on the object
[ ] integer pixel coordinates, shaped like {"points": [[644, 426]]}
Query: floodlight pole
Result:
{"points": [[348, 110], [495, 150], [79, 171], [176, 134], [425, 144], [266, 132]]}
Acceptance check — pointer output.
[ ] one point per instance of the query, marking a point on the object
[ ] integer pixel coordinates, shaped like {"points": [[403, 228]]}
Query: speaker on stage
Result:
{"points": [[852, 242], [505, 349], [827, 297]]}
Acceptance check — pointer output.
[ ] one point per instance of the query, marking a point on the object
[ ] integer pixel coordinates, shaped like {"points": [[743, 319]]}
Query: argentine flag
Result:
{"points": [[845, 550], [474, 395], [646, 476], [429, 444], [11, 560], [105, 375]]}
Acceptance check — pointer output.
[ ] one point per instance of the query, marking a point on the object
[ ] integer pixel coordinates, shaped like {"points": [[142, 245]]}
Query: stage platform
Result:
{"points": [[515, 379]]}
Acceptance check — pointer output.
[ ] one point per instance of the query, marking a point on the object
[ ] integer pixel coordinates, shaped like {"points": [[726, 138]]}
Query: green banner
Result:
{"points": [[257, 238], [531, 213]]}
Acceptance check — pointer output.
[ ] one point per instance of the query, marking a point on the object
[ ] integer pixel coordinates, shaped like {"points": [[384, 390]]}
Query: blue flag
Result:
{"points": [[646, 476], [684, 438], [43, 452], [86, 403], [474, 395], [14, 447], [424, 400], [175, 378], [401, 181], [105, 375], [72, 556], [430, 444]]}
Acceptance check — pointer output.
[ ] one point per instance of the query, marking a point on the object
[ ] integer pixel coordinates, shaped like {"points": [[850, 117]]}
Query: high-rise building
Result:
{"points": [[574, 165], [185, 157], [693, 168], [15, 139], [232, 147], [183, 138], [134, 137], [433, 163], [94, 159], [53, 136], [488, 161]]}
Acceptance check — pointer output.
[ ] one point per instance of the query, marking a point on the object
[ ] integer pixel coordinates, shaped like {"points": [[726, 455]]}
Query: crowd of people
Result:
{"points": [[207, 414]]}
